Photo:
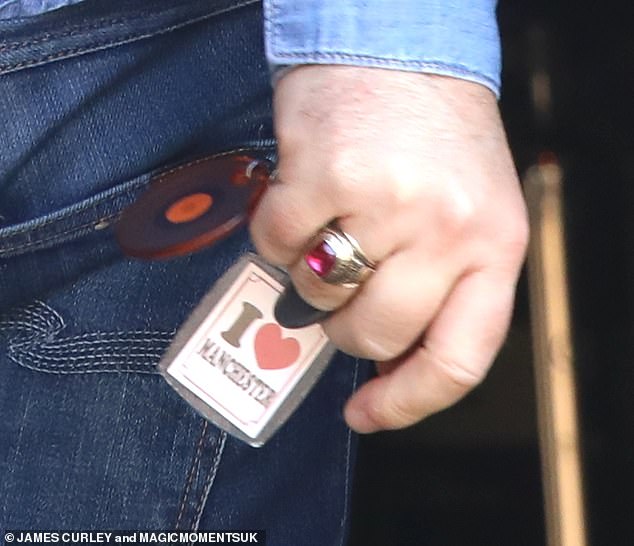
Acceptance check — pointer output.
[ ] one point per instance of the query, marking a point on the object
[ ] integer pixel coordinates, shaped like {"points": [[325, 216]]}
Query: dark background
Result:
{"points": [[471, 475]]}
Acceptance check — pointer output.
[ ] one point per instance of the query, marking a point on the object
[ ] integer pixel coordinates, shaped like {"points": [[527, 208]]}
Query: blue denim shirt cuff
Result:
{"points": [[457, 38]]}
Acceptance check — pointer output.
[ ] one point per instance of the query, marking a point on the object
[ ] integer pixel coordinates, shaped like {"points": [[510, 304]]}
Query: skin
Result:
{"points": [[417, 168]]}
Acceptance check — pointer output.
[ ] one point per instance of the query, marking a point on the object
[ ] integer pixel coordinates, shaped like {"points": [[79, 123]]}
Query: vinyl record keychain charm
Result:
{"points": [[231, 360], [192, 206]]}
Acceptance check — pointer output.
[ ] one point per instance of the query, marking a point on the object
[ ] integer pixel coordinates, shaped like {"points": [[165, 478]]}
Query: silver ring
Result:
{"points": [[336, 258]]}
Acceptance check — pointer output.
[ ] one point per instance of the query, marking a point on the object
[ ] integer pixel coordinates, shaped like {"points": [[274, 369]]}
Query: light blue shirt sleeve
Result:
{"points": [[456, 38]]}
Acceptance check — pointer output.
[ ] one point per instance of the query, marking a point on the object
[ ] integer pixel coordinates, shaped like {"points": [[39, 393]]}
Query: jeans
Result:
{"points": [[94, 98]]}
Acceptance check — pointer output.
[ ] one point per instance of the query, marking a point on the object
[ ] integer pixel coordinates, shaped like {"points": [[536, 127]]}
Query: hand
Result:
{"points": [[417, 168]]}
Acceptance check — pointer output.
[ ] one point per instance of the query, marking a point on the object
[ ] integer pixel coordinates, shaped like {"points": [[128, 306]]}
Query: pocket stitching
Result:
{"points": [[113, 42], [9, 46], [107, 196], [4, 250], [33, 346], [124, 192]]}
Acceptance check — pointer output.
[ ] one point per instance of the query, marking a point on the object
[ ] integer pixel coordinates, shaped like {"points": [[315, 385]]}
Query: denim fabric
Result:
{"points": [[456, 38], [26, 8], [94, 98]]}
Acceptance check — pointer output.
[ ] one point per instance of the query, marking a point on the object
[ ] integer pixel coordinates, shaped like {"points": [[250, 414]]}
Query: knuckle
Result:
{"points": [[511, 242], [464, 376], [286, 135], [513, 228], [263, 242], [392, 414], [458, 213], [366, 345], [343, 173], [519, 236], [455, 212], [275, 237], [383, 330]]}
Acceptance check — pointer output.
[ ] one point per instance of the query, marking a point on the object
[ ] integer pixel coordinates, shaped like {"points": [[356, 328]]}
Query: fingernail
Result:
{"points": [[359, 421], [291, 311]]}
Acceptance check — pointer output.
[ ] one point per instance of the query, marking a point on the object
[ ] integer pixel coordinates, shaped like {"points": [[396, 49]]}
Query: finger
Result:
{"points": [[457, 351], [378, 241], [393, 307], [288, 216]]}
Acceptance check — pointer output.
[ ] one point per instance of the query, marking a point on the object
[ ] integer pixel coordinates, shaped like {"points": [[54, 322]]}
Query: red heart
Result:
{"points": [[272, 351]]}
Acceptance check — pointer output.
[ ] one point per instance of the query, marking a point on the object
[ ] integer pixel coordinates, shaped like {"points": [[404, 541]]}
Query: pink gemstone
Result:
{"points": [[321, 259]]}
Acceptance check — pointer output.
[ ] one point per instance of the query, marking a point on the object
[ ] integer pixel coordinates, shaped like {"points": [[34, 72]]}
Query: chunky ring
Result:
{"points": [[336, 258]]}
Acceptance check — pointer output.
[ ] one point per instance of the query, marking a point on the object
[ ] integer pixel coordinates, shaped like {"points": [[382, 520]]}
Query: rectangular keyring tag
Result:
{"points": [[235, 364]]}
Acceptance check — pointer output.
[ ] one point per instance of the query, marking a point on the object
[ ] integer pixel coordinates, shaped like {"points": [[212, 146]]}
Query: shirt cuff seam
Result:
{"points": [[437, 67]]}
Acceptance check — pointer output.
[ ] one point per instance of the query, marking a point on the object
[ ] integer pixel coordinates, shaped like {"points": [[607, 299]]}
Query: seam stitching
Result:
{"points": [[211, 478], [120, 40], [347, 463], [35, 347], [4, 250], [198, 161], [385, 61], [10, 248], [192, 470], [47, 37], [121, 191]]}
